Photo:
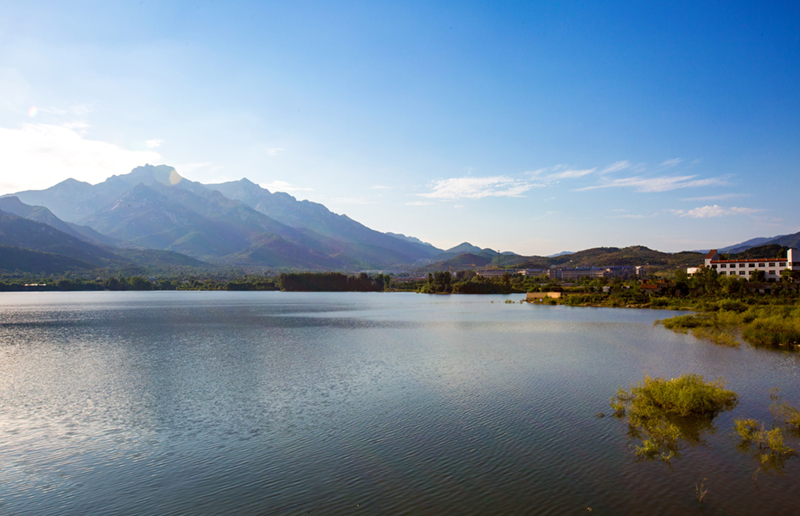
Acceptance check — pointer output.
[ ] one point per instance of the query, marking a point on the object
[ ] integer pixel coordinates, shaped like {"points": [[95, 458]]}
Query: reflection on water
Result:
{"points": [[285, 403]]}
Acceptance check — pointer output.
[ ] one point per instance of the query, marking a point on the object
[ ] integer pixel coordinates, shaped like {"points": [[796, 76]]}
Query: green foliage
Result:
{"points": [[773, 331], [767, 325], [330, 282], [766, 445], [663, 413]]}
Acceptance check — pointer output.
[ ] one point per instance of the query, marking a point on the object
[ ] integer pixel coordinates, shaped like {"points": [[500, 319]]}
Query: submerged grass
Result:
{"points": [[767, 445], [727, 321], [664, 413]]}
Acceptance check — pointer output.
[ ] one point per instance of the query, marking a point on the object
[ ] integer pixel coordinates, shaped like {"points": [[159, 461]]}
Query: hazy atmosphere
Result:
{"points": [[527, 127]]}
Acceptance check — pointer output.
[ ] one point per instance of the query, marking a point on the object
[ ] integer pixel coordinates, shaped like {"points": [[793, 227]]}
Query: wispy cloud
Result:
{"points": [[671, 162], [274, 151], [420, 203], [477, 188], [705, 212], [380, 187], [616, 167], [570, 174], [153, 143], [656, 184], [38, 155], [283, 186]]}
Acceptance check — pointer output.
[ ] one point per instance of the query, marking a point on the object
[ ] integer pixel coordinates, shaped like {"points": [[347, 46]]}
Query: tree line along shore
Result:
{"points": [[727, 310]]}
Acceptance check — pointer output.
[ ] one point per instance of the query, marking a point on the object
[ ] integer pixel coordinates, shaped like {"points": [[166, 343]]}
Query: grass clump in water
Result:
{"points": [[767, 445], [770, 326], [662, 413]]}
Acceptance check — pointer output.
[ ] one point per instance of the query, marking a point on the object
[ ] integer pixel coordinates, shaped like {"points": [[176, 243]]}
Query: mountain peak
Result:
{"points": [[163, 174]]}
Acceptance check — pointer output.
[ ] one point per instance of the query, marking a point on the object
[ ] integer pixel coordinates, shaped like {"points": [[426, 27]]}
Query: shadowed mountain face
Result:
{"points": [[28, 234], [234, 223], [316, 217], [16, 259], [41, 214]]}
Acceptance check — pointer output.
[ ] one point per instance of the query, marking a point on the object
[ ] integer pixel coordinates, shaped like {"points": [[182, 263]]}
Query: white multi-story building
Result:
{"points": [[743, 268]]}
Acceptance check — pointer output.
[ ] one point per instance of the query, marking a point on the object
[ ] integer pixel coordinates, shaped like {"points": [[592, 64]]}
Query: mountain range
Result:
{"points": [[153, 217], [236, 223]]}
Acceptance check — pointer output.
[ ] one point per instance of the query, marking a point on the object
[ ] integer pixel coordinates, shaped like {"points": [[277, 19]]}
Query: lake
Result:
{"points": [[379, 403]]}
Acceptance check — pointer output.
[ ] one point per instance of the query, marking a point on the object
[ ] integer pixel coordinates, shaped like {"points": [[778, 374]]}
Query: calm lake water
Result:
{"points": [[341, 403]]}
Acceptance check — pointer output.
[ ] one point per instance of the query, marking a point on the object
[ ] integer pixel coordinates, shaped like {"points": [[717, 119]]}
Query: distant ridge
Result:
{"points": [[235, 223], [792, 240]]}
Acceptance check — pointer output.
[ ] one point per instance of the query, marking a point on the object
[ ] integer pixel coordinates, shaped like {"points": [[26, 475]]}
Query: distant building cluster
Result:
{"points": [[744, 267], [614, 271]]}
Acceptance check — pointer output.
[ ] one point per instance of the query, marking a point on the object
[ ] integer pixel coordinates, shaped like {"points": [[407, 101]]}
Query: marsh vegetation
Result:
{"points": [[662, 414]]}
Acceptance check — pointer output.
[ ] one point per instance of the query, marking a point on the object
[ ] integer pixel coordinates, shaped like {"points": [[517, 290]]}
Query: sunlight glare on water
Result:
{"points": [[285, 403]]}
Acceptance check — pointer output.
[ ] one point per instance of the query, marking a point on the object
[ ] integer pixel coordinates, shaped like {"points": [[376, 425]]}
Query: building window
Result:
{"points": [[761, 265], [722, 266], [741, 273], [751, 265], [782, 264]]}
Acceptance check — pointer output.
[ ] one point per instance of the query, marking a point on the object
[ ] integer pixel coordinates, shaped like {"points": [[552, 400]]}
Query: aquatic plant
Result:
{"points": [[664, 413], [767, 446], [700, 490], [727, 320]]}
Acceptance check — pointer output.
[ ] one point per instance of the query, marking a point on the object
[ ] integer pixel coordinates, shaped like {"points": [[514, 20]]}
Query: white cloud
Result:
{"points": [[38, 155], [671, 162], [380, 187], [571, 174], [616, 167], [153, 143], [705, 212], [283, 186], [477, 188], [274, 151], [419, 203], [657, 184]]}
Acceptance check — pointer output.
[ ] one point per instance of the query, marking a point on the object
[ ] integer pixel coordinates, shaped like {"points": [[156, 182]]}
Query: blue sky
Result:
{"points": [[534, 127]]}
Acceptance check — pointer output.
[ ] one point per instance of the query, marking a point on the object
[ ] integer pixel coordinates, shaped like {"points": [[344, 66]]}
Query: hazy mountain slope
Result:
{"points": [[16, 259], [414, 240], [608, 256], [305, 214], [792, 241], [154, 207], [461, 262], [760, 251], [465, 248], [13, 205], [360, 255], [149, 218], [72, 200], [276, 251], [154, 258], [68, 200], [28, 234]]}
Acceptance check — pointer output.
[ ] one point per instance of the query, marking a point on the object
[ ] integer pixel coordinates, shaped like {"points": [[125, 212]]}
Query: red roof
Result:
{"points": [[711, 254]]}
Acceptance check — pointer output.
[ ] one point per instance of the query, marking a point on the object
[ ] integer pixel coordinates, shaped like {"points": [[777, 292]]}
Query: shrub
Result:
{"points": [[662, 413]]}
